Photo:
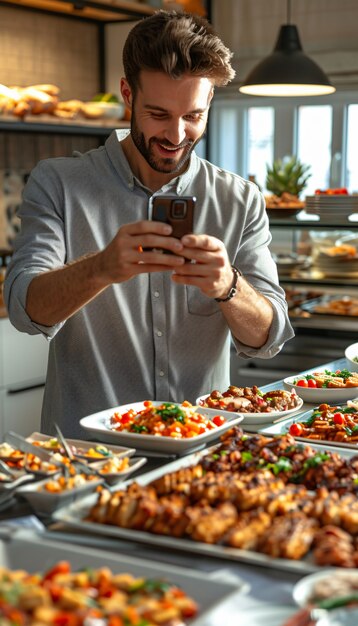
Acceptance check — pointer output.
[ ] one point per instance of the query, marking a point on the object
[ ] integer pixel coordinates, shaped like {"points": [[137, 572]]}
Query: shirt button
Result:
{"points": [[156, 293], [159, 333], [161, 373]]}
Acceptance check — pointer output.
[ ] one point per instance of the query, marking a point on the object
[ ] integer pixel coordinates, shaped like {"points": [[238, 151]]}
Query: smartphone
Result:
{"points": [[178, 211]]}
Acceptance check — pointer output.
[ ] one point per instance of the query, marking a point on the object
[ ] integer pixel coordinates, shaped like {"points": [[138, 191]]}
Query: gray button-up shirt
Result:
{"points": [[147, 338]]}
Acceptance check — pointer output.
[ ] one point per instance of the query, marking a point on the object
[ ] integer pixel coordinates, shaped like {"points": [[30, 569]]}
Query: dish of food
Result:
{"points": [[104, 421], [336, 425], [30, 551], [117, 469], [255, 406], [351, 354], [327, 589], [331, 305], [87, 450], [325, 386], [253, 498], [48, 495]]}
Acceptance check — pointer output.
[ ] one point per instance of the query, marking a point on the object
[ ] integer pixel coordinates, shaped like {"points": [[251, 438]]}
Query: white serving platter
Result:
{"points": [[258, 418], [30, 551], [83, 445], [74, 516], [324, 394], [99, 423], [282, 428]]}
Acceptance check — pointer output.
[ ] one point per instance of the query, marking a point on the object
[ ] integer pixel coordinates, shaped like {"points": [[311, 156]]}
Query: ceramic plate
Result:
{"points": [[99, 423], [258, 418], [81, 447], [324, 394], [113, 478], [304, 590], [45, 502], [350, 353]]}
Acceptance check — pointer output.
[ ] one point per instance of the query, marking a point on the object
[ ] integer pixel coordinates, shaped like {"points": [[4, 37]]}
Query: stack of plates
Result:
{"points": [[331, 207]]}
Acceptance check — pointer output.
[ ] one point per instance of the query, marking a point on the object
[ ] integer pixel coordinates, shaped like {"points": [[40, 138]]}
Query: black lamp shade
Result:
{"points": [[287, 69]]}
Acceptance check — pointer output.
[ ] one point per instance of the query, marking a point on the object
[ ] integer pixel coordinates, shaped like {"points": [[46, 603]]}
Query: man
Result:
{"points": [[126, 322]]}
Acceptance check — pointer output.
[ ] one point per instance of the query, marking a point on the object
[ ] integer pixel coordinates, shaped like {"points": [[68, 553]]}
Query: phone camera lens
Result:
{"points": [[178, 209]]}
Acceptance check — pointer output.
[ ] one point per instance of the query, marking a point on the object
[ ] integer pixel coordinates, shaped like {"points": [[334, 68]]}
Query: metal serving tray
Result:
{"points": [[28, 550], [74, 517]]}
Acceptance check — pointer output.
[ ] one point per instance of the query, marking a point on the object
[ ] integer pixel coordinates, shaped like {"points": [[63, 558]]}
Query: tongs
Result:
{"points": [[76, 463], [26, 446]]}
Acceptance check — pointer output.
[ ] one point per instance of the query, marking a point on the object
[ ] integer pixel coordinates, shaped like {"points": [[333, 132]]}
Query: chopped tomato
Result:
{"points": [[62, 567], [218, 420], [312, 383], [339, 418], [296, 429], [302, 382]]}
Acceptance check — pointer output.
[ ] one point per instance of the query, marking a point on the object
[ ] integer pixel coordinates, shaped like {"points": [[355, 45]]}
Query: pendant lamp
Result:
{"points": [[287, 71]]}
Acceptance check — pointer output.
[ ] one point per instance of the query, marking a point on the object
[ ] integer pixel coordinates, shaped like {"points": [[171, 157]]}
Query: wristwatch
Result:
{"points": [[233, 288]]}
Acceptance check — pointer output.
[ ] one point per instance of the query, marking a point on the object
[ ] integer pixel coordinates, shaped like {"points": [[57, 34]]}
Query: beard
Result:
{"points": [[165, 165]]}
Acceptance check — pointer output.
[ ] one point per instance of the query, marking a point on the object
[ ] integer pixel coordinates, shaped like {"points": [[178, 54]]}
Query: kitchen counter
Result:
{"points": [[270, 589]]}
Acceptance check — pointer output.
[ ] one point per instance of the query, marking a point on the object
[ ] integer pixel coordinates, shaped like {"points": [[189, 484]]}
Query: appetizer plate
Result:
{"points": [[323, 394], [258, 418], [99, 423], [113, 478], [82, 447], [335, 582], [25, 549], [46, 502]]}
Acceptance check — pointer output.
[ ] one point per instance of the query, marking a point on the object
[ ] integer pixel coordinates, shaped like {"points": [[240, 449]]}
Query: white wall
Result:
{"points": [[115, 37]]}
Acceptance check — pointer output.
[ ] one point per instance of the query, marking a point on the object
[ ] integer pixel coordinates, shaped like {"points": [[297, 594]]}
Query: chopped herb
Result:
{"points": [[136, 428], [246, 456]]}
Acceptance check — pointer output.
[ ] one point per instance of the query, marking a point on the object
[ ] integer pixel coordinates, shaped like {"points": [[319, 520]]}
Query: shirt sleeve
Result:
{"points": [[39, 247], [255, 261]]}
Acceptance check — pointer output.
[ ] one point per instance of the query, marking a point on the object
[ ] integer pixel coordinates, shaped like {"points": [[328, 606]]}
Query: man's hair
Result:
{"points": [[177, 44]]}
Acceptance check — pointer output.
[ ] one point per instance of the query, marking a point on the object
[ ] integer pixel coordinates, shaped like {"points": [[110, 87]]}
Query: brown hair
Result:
{"points": [[176, 43]]}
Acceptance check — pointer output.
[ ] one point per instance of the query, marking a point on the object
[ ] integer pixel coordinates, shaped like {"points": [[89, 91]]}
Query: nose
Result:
{"points": [[176, 132]]}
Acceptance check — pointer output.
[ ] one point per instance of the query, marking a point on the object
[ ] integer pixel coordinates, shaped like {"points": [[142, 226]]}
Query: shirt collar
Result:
{"points": [[118, 159]]}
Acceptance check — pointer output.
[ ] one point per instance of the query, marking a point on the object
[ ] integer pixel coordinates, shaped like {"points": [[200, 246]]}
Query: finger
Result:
{"points": [[204, 242], [147, 226]]}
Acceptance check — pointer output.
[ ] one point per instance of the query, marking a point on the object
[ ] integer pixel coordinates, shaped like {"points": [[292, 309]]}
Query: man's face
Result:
{"points": [[169, 118]]}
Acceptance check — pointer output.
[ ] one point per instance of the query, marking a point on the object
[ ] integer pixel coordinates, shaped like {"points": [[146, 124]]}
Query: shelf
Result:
{"points": [[96, 10], [48, 124], [306, 221]]}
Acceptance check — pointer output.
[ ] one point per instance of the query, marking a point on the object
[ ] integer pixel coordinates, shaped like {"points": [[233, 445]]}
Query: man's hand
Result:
{"points": [[138, 249], [210, 267]]}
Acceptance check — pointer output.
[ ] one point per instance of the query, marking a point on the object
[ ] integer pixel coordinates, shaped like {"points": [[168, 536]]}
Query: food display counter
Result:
{"points": [[259, 588]]}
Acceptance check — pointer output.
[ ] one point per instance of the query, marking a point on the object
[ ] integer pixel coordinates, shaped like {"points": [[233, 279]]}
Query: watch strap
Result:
{"points": [[233, 288]]}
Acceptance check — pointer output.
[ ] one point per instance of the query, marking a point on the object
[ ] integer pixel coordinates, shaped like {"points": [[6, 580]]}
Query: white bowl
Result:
{"points": [[45, 502], [304, 589], [256, 418], [313, 395], [351, 352]]}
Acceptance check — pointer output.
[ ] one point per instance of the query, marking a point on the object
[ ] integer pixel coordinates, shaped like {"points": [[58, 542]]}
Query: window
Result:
{"points": [[314, 129], [246, 133], [260, 131], [352, 149]]}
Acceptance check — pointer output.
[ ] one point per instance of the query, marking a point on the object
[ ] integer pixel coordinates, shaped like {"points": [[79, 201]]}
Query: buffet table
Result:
{"points": [[264, 593]]}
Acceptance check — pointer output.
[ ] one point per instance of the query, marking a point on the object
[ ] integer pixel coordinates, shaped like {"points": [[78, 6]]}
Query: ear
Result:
{"points": [[126, 93], [211, 94]]}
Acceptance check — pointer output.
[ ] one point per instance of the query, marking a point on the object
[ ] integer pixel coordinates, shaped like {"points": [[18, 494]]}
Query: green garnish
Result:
{"points": [[171, 412]]}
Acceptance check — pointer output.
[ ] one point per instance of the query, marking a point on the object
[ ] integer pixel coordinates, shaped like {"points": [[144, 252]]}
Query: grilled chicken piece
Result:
{"points": [[208, 524], [289, 537], [333, 546], [248, 530], [288, 500], [177, 481], [170, 519]]}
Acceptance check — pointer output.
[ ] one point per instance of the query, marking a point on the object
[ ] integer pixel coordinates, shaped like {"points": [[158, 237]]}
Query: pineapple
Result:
{"points": [[287, 175]]}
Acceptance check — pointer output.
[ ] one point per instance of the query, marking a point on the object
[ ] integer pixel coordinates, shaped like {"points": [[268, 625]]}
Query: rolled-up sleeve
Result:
{"points": [[39, 246]]}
